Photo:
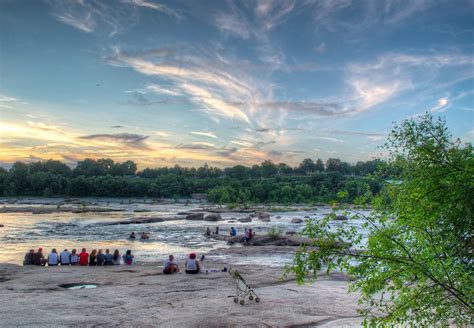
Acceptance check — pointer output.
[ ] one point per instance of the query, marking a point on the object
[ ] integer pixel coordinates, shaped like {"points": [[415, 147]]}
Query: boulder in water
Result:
{"points": [[297, 220], [341, 218], [245, 219], [195, 216], [263, 216], [213, 217]]}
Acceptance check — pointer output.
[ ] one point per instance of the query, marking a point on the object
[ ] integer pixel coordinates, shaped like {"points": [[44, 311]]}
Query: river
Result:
{"points": [[24, 230]]}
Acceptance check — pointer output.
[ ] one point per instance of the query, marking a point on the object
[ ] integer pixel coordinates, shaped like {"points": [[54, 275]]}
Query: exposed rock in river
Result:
{"points": [[297, 220], [195, 216], [213, 217], [245, 219], [341, 218]]}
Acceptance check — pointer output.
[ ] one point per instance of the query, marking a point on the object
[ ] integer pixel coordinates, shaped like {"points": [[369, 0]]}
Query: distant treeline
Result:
{"points": [[311, 181]]}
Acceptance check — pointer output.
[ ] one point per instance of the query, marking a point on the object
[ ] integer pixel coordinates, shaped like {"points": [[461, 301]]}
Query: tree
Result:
{"points": [[333, 165], [307, 166], [416, 266]]}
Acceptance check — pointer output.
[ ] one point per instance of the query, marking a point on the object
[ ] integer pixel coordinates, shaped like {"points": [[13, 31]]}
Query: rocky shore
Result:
{"points": [[141, 296]]}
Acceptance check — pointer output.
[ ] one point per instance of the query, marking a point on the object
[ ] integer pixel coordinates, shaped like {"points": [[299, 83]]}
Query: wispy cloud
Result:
{"points": [[330, 139], [441, 105], [204, 134], [95, 15], [130, 139], [85, 23]]}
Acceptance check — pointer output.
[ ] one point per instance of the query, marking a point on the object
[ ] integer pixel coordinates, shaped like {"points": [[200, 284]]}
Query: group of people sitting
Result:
{"points": [[248, 233], [143, 235], [73, 258]]}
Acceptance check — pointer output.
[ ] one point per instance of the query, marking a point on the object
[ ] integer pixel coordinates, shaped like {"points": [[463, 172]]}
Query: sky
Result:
{"points": [[227, 82]]}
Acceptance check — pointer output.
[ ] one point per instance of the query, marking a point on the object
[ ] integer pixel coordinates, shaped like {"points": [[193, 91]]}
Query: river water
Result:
{"points": [[23, 231]]}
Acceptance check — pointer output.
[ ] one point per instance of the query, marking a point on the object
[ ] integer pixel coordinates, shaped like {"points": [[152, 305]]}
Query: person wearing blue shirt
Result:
{"points": [[233, 232]]}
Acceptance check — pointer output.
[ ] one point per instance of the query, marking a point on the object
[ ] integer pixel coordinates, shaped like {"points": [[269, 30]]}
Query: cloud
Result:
{"points": [[116, 126], [205, 82], [164, 91], [161, 134], [204, 134], [261, 144], [321, 47], [227, 152], [130, 139], [330, 139], [374, 136], [241, 143], [196, 146], [84, 23], [323, 109], [93, 15], [139, 99], [441, 105], [156, 6]]}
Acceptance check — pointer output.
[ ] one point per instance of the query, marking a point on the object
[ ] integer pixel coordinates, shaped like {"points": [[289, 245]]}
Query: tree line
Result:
{"points": [[311, 181]]}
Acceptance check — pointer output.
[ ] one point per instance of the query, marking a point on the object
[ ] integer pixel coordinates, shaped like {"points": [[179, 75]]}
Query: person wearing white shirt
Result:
{"points": [[65, 257], [53, 258], [170, 266]]}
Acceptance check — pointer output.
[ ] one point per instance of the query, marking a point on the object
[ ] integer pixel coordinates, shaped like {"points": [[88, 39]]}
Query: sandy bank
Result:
{"points": [[140, 296]]}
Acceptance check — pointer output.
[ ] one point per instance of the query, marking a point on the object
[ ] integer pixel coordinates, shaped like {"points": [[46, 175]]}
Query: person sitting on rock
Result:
{"points": [[128, 258], [144, 236], [251, 234], [39, 259], [116, 257], [84, 257], [93, 257], [132, 235], [170, 266], [108, 257], [65, 257], [191, 265], [217, 231], [208, 232], [53, 258], [29, 258], [74, 259], [233, 232], [100, 258]]}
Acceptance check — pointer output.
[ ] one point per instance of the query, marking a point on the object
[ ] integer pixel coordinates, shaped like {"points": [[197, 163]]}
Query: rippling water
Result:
{"points": [[23, 231]]}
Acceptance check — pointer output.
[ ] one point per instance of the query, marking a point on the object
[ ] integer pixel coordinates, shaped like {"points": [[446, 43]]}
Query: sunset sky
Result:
{"points": [[227, 82]]}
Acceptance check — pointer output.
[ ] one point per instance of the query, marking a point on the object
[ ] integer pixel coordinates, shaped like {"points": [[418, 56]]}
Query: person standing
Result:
{"points": [[53, 258], [83, 257], [65, 257]]}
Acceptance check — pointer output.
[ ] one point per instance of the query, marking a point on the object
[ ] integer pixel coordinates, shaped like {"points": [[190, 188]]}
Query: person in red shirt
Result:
{"points": [[83, 257]]}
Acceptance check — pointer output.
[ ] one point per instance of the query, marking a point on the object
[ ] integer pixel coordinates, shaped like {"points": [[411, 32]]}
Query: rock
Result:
{"points": [[1, 225], [306, 217], [278, 217], [341, 218], [263, 216], [290, 233], [213, 217], [195, 216], [253, 215], [297, 220], [245, 219]]}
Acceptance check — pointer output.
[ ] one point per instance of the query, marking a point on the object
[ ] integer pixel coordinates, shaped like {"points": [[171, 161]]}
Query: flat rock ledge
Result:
{"points": [[141, 296], [263, 240]]}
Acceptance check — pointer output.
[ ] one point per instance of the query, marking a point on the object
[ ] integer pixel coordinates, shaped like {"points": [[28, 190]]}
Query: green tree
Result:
{"points": [[416, 266]]}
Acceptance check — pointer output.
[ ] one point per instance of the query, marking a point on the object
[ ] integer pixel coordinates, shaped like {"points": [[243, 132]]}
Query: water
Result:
{"points": [[24, 231]]}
